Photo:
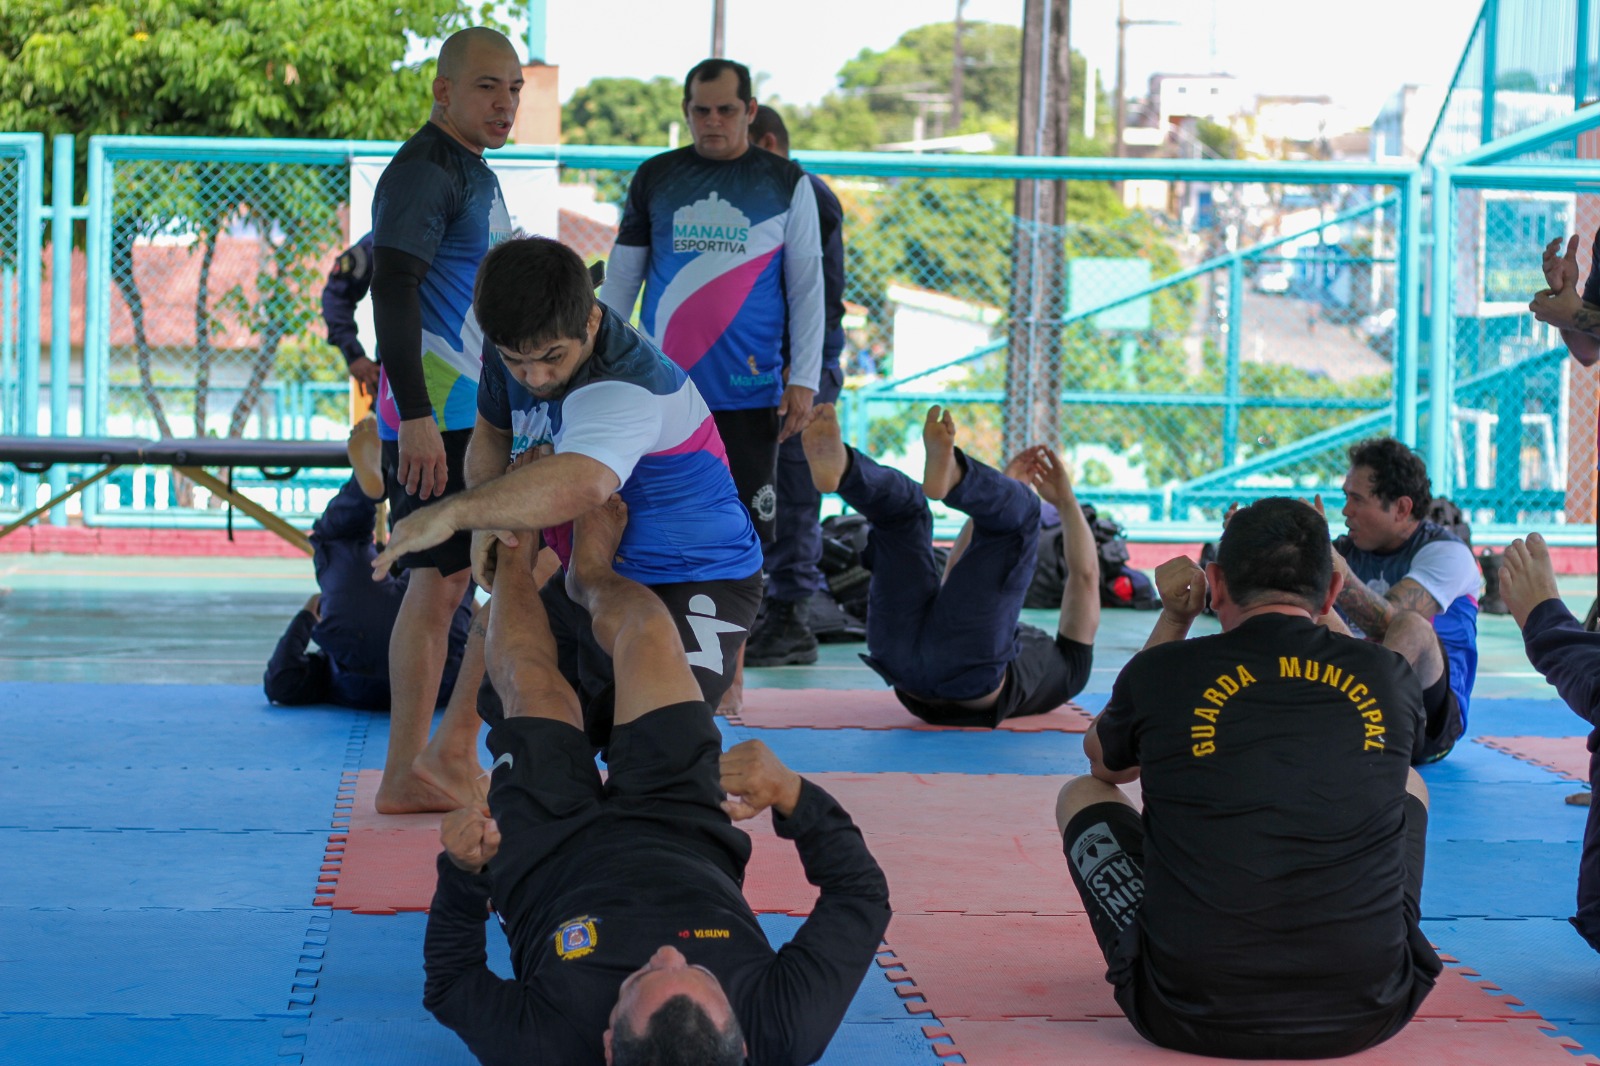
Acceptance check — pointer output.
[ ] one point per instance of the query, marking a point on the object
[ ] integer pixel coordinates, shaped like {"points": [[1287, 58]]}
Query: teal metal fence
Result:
{"points": [[21, 187], [1224, 329]]}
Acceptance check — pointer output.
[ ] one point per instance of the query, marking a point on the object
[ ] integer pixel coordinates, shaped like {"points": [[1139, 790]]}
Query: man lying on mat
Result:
{"points": [[1569, 658], [949, 642], [630, 938], [1266, 903], [352, 617]]}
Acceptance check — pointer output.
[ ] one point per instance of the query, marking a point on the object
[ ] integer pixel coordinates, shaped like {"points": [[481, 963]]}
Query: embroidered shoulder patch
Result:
{"points": [[576, 938]]}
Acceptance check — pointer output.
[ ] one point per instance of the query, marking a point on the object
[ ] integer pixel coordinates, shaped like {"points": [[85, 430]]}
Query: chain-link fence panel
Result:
{"points": [[18, 364], [1521, 431], [216, 269], [1201, 331]]}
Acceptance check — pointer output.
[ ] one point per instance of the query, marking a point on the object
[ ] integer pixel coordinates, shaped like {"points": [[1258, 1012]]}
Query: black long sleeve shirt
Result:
{"points": [[347, 286], [1569, 658], [625, 903]]}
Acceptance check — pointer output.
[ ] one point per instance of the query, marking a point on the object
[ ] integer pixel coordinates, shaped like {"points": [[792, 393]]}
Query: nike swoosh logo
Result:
{"points": [[506, 760]]}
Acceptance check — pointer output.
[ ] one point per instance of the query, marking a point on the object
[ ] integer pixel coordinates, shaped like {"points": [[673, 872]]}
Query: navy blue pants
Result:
{"points": [[950, 641], [791, 559]]}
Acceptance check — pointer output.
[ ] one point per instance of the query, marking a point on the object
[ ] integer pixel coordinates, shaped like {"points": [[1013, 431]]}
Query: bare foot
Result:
{"points": [[940, 471], [366, 457], [1528, 577], [596, 536], [410, 793], [824, 447], [1579, 799], [461, 779]]}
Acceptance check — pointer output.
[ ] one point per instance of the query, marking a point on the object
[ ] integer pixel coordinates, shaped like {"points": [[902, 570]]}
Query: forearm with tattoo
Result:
{"points": [[1587, 321], [1372, 613]]}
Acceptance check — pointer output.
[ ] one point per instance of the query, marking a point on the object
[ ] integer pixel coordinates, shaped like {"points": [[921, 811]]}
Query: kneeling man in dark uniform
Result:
{"points": [[630, 936], [1265, 904]]}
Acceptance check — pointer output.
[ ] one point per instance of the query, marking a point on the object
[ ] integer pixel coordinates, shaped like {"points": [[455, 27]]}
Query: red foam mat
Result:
{"points": [[379, 863], [972, 967], [1428, 1041], [988, 935], [1567, 756], [826, 708]]}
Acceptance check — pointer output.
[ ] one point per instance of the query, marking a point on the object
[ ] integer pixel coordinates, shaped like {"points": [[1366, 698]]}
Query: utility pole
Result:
{"points": [[1119, 105], [958, 71], [719, 19], [1038, 283]]}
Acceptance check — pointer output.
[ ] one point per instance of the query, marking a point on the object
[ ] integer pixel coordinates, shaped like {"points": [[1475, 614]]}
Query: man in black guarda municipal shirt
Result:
{"points": [[1265, 904], [621, 899]]}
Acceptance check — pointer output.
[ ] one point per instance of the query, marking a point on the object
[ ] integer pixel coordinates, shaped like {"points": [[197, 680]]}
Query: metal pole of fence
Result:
{"points": [[1441, 409], [1230, 414], [1580, 63], [1491, 31], [1408, 298], [96, 302], [30, 275], [63, 157]]}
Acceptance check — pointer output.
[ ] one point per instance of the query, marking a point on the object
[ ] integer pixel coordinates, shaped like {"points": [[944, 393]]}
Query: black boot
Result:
{"points": [[783, 638], [1492, 602]]}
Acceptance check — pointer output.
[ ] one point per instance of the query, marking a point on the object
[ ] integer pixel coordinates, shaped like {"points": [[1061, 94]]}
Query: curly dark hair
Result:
{"points": [[1396, 471]]}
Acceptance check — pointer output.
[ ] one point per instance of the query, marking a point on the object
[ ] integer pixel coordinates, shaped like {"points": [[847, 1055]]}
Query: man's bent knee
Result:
{"points": [[1084, 791], [1417, 786]]}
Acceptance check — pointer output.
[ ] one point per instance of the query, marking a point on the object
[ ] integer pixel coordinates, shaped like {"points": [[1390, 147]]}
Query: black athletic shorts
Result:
{"points": [[751, 440], [1104, 845], [1442, 725], [455, 554], [664, 780], [713, 619], [1047, 672]]}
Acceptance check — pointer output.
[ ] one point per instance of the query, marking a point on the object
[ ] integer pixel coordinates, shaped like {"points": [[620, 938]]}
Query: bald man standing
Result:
{"points": [[436, 212]]}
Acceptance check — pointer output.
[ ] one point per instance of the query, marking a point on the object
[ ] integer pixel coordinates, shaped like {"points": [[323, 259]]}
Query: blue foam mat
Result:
{"points": [[128, 870], [1541, 961], [1525, 718], [908, 751], [184, 798], [1511, 879], [368, 1003], [160, 963], [1501, 810], [30, 1041]]}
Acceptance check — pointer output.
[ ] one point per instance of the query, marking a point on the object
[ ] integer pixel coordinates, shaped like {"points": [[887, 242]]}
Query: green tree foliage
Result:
{"points": [[877, 101], [236, 68], [622, 111]]}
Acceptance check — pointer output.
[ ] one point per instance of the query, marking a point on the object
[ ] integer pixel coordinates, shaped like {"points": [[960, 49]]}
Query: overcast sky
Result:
{"points": [[1357, 51]]}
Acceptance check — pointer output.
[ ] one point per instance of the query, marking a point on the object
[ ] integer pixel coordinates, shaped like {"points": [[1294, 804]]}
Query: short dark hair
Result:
{"points": [[1396, 471], [769, 121], [1276, 547], [679, 1033], [711, 70], [532, 290]]}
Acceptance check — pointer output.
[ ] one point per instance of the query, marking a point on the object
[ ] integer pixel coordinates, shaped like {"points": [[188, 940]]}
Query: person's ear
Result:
{"points": [[1335, 587], [1404, 508], [1218, 585], [605, 1040], [441, 91]]}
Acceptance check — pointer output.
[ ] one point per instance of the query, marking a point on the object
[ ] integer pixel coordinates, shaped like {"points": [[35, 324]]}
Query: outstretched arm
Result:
{"points": [[554, 490], [1080, 597], [803, 996]]}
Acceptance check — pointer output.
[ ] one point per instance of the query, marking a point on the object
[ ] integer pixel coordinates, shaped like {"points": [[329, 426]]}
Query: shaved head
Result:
{"points": [[454, 55]]}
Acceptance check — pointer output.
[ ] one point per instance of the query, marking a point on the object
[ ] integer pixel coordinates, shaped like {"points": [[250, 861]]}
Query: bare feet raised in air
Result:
{"points": [[1528, 577], [940, 470], [596, 535], [366, 457], [824, 447]]}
